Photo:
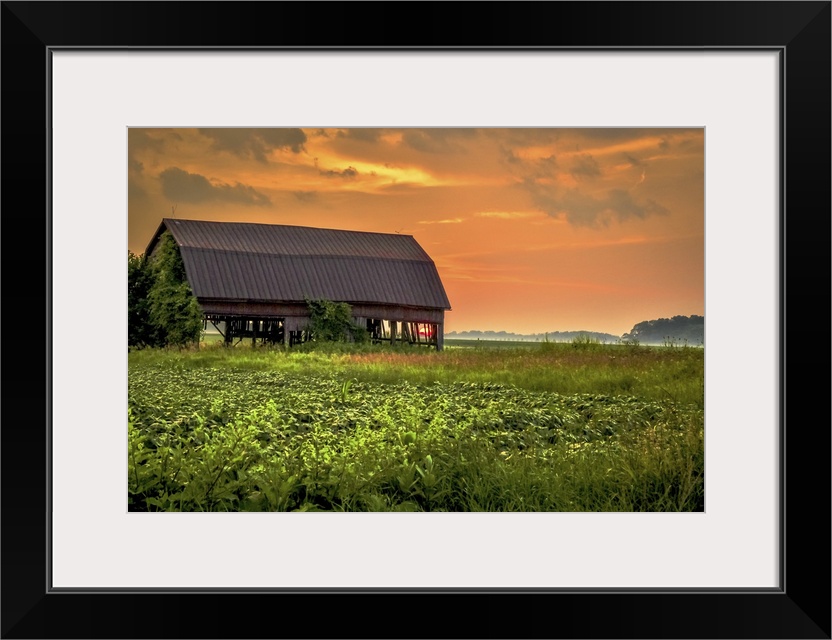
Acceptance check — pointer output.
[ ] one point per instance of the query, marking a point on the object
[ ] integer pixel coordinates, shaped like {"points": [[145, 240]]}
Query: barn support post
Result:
{"points": [[372, 329], [215, 322], [413, 327]]}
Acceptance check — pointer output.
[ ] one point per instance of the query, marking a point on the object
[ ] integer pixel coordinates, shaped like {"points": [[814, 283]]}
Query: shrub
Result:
{"points": [[332, 322], [584, 341]]}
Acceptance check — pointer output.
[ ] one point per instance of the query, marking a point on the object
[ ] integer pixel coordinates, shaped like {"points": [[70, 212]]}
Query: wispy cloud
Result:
{"points": [[591, 209], [509, 215], [446, 221], [305, 196], [349, 173]]}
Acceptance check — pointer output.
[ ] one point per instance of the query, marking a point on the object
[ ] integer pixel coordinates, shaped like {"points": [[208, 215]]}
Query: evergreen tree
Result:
{"points": [[161, 307], [140, 333], [174, 311]]}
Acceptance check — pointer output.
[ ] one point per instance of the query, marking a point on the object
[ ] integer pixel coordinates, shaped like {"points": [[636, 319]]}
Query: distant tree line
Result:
{"points": [[678, 329], [552, 336], [161, 307]]}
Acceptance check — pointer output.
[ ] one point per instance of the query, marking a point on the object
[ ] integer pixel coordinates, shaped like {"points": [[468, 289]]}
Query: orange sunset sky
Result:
{"points": [[532, 230]]}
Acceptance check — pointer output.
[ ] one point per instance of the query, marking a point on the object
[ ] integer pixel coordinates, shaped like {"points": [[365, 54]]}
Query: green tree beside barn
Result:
{"points": [[162, 309]]}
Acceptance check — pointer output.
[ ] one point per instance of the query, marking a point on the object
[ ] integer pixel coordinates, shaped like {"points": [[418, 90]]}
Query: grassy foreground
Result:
{"points": [[543, 427]]}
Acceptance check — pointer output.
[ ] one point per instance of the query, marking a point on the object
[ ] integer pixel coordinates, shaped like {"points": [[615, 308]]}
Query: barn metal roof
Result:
{"points": [[283, 263]]}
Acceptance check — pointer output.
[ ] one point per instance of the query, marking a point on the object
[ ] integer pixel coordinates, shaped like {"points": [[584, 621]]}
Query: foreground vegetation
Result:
{"points": [[553, 427]]}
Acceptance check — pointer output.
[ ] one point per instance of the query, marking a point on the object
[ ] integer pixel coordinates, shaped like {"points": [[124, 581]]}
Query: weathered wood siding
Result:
{"points": [[276, 310]]}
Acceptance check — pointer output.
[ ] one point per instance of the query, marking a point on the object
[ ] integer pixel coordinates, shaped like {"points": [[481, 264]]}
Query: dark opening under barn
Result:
{"points": [[255, 280]]}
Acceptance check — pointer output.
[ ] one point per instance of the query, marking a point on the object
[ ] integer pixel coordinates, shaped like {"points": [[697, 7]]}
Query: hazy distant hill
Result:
{"points": [[552, 336], [678, 329]]}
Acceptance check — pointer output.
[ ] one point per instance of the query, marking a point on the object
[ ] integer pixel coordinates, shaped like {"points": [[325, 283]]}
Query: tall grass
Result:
{"points": [[567, 368]]}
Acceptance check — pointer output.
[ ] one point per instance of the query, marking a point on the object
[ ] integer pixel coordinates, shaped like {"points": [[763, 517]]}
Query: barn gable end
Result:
{"points": [[254, 280]]}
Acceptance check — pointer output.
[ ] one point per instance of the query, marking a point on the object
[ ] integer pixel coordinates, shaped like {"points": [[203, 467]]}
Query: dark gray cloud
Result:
{"points": [[180, 186], [134, 166], [538, 178], [585, 166], [349, 173], [305, 196], [582, 209], [529, 169], [621, 134], [507, 156], [364, 134], [634, 162], [255, 143], [445, 140], [690, 144], [138, 140], [616, 134], [523, 137], [542, 167], [624, 206]]}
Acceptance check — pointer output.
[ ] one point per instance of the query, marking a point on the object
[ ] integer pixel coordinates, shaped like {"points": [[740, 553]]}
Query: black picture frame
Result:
{"points": [[800, 608]]}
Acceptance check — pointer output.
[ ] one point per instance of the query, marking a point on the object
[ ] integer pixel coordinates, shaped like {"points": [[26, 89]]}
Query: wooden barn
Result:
{"points": [[254, 280]]}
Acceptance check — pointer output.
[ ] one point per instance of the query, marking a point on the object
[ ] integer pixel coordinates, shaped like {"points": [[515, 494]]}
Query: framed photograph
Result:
{"points": [[100, 94]]}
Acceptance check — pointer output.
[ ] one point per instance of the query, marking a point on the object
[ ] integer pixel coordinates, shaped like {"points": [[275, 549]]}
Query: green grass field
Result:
{"points": [[477, 427]]}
